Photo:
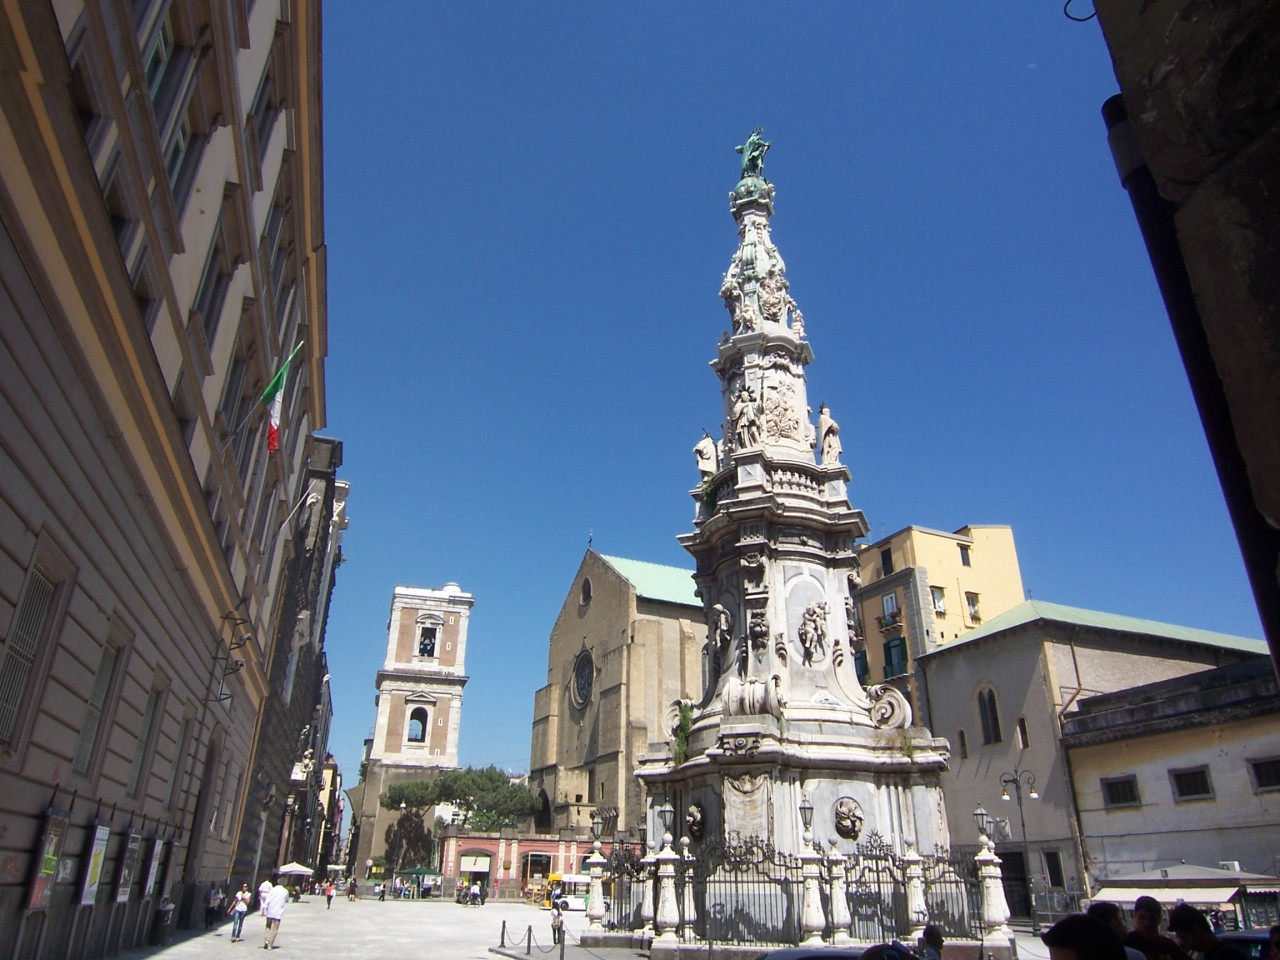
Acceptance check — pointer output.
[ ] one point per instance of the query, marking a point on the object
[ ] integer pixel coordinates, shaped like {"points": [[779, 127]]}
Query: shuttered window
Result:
{"points": [[93, 711], [31, 623], [142, 749]]}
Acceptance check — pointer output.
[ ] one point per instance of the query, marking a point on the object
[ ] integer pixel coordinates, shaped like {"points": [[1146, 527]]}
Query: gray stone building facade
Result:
{"points": [[161, 253]]}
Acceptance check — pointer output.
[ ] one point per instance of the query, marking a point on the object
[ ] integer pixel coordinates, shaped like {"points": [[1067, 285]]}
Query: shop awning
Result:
{"points": [[1125, 896]]}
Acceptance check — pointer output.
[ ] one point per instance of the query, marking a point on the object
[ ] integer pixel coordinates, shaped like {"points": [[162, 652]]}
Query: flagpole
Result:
{"points": [[254, 409]]}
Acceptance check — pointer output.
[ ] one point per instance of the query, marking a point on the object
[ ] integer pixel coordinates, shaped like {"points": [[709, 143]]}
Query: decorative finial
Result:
{"points": [[753, 152]]}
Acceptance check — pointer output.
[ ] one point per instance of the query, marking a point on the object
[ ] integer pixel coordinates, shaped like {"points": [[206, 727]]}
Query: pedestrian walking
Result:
{"points": [[273, 910], [239, 908], [212, 904], [329, 891], [557, 924]]}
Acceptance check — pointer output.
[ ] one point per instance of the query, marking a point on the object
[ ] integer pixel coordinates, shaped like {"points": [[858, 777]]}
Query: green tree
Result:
{"points": [[409, 842], [486, 797]]}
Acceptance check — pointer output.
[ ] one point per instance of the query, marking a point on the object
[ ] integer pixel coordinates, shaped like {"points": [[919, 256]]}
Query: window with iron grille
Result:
{"points": [[1265, 773], [20, 652], [1120, 792], [1191, 784]]}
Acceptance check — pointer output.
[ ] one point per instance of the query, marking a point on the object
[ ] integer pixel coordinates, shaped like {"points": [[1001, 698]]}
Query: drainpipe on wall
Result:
{"points": [[1074, 820]]}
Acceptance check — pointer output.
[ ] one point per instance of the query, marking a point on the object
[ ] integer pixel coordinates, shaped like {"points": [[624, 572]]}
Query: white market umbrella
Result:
{"points": [[295, 870]]}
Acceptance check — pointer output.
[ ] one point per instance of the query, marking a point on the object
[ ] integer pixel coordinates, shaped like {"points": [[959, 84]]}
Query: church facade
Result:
{"points": [[627, 645]]}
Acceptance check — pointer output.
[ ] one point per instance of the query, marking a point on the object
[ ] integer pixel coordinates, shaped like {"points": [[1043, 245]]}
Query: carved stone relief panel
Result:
{"points": [[748, 805]]}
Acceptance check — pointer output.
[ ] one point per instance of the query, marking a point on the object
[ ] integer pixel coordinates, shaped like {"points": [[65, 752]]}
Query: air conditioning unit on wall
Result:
{"points": [[1232, 865]]}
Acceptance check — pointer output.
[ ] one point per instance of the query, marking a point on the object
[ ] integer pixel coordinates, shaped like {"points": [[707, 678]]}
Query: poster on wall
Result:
{"points": [[128, 868], [46, 865], [93, 869], [153, 868]]}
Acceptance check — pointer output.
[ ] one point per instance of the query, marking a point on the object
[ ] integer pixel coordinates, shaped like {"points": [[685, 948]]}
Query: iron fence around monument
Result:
{"points": [[953, 895], [876, 888], [746, 892], [743, 892]]}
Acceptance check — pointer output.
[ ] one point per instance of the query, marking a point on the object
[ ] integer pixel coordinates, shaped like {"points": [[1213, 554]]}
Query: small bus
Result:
{"points": [[570, 891]]}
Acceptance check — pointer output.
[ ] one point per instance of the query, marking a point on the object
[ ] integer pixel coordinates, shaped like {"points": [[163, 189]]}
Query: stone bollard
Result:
{"points": [[917, 911], [839, 885], [668, 915], [995, 908], [812, 920]]}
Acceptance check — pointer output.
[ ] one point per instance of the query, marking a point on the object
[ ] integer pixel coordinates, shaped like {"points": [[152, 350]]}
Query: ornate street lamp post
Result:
{"points": [[668, 915], [812, 919], [595, 867], [1017, 780]]}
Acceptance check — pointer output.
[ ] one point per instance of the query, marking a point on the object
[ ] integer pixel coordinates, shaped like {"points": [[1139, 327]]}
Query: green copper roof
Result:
{"points": [[1032, 610], [653, 581]]}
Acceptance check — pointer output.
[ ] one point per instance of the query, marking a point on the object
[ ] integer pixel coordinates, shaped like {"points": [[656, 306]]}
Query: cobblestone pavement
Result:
{"points": [[410, 930]]}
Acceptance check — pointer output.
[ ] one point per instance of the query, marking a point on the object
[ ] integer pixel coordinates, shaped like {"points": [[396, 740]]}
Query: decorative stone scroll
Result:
{"points": [[889, 708], [753, 696]]}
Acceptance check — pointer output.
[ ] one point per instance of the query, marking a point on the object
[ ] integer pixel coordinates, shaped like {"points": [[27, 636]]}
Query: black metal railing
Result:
{"points": [[744, 892]]}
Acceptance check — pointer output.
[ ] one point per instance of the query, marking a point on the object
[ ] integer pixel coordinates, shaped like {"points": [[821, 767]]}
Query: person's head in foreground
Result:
{"points": [[1146, 916], [1192, 928], [888, 951], [1079, 937], [1109, 914], [933, 936]]}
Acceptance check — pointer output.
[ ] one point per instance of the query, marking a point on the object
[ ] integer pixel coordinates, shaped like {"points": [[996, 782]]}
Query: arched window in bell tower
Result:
{"points": [[418, 723]]}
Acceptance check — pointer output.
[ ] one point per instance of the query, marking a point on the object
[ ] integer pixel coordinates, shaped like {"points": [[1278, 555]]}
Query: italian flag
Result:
{"points": [[273, 400]]}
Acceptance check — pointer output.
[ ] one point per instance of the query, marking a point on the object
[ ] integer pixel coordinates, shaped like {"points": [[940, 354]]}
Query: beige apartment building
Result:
{"points": [[419, 707], [629, 643], [922, 588], [1003, 693], [1185, 770], [161, 253]]}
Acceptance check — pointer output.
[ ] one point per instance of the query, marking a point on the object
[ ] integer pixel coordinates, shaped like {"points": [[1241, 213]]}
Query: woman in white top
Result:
{"points": [[239, 907]]}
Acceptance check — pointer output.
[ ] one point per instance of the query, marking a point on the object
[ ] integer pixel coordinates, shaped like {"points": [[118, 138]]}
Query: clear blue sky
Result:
{"points": [[527, 221]]}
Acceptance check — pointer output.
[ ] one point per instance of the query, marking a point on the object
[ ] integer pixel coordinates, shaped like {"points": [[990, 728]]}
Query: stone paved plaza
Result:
{"points": [[392, 930], [408, 930]]}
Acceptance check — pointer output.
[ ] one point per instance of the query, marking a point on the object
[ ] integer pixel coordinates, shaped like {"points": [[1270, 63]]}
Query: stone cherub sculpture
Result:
{"points": [[813, 631]]}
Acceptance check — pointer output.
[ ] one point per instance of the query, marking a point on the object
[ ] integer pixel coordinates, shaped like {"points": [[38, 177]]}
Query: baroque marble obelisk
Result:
{"points": [[783, 723]]}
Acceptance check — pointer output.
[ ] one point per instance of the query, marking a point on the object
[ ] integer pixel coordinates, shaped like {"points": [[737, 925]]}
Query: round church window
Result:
{"points": [[584, 675]]}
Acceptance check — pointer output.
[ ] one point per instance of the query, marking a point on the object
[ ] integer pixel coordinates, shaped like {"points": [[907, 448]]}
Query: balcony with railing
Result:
{"points": [[890, 622]]}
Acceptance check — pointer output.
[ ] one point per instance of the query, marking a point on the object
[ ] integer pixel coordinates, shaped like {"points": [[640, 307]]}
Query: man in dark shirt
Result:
{"points": [[1195, 932], [1145, 935]]}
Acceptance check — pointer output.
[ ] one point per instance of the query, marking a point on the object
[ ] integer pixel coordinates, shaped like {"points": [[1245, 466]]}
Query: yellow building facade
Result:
{"points": [[920, 589]]}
